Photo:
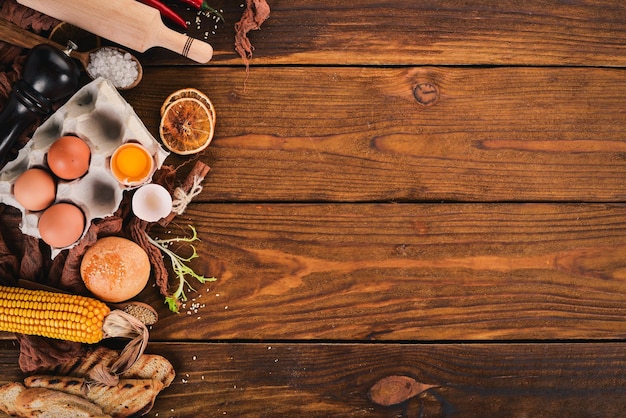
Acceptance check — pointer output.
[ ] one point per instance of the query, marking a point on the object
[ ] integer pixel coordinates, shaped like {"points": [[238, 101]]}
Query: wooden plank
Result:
{"points": [[399, 272], [434, 32], [471, 380], [348, 134]]}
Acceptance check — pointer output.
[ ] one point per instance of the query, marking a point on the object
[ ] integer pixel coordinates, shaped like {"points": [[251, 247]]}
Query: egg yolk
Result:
{"points": [[132, 162]]}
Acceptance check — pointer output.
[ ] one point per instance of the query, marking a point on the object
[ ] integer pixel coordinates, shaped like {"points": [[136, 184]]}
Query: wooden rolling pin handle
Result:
{"points": [[191, 48]]}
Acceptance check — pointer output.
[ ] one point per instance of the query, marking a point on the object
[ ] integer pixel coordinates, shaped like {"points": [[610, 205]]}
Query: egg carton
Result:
{"points": [[99, 115]]}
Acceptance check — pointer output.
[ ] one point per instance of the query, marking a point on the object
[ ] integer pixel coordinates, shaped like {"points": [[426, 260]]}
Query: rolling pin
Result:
{"points": [[126, 22]]}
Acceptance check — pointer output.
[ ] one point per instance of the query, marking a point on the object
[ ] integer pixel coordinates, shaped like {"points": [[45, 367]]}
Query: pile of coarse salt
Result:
{"points": [[116, 66]]}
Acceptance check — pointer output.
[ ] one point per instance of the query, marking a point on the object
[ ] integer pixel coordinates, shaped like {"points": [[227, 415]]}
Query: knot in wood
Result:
{"points": [[392, 390], [426, 93]]}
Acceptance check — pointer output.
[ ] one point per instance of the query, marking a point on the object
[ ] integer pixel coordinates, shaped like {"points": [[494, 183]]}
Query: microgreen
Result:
{"points": [[180, 268], [206, 7]]}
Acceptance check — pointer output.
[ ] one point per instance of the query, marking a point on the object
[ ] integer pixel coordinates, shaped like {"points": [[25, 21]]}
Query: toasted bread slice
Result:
{"points": [[47, 403], [8, 397], [129, 397], [152, 366], [81, 366], [148, 366]]}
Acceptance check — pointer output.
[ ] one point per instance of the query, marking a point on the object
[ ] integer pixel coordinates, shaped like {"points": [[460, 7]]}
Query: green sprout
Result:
{"points": [[180, 268], [206, 7]]}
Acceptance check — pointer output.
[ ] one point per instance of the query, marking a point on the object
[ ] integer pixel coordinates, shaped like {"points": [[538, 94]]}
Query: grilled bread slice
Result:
{"points": [[47, 403], [129, 397], [8, 397], [148, 366]]}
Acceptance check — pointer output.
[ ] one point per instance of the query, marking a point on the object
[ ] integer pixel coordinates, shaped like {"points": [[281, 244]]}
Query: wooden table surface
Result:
{"points": [[426, 189]]}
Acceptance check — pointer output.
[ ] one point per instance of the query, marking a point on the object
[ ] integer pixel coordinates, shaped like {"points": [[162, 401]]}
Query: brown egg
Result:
{"points": [[62, 224], [68, 157], [35, 189]]}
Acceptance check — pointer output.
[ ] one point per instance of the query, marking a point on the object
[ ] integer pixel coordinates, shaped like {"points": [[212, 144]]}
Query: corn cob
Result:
{"points": [[58, 315]]}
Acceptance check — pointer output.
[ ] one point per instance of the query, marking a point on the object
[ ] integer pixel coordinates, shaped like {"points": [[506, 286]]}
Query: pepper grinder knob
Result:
{"points": [[49, 75]]}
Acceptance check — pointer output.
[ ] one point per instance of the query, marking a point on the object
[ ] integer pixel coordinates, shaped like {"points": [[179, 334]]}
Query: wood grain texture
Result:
{"points": [[359, 134], [434, 32], [426, 189], [318, 380], [402, 272]]}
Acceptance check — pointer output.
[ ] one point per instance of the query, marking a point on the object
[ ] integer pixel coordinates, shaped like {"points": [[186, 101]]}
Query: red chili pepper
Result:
{"points": [[197, 4], [166, 12]]}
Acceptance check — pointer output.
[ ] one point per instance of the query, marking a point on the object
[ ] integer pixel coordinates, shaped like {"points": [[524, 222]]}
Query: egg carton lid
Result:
{"points": [[99, 115]]}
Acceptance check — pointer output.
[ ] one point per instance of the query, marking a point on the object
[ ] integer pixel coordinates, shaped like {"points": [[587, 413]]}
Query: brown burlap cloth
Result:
{"points": [[28, 258]]}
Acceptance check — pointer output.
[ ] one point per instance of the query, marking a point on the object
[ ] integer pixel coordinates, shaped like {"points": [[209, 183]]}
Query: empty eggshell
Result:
{"points": [[151, 202]]}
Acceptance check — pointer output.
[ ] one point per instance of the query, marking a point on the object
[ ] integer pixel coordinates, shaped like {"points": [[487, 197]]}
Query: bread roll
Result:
{"points": [[115, 269]]}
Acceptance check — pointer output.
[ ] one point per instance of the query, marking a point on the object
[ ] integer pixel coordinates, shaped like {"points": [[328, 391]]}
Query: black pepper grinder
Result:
{"points": [[49, 75]]}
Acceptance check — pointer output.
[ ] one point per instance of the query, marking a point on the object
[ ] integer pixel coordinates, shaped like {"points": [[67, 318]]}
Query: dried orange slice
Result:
{"points": [[186, 126], [191, 93]]}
